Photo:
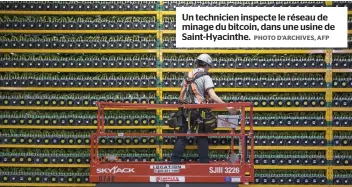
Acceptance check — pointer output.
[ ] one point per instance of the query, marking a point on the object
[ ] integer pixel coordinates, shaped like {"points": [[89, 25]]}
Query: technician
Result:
{"points": [[205, 88]]}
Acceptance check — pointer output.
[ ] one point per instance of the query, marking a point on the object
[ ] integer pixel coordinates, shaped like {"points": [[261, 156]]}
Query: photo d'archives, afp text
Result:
{"points": [[291, 37]]}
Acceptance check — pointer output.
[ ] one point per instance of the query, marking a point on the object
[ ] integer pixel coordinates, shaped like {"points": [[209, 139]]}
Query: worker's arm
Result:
{"points": [[217, 99], [214, 97], [209, 88]]}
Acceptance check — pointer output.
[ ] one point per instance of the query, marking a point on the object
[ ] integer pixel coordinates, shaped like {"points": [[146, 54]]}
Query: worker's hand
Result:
{"points": [[232, 110]]}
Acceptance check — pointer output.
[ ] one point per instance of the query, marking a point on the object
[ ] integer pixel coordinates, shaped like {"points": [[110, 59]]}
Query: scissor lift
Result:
{"points": [[232, 171]]}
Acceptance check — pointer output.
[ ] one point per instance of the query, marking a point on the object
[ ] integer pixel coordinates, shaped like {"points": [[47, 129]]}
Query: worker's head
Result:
{"points": [[204, 61]]}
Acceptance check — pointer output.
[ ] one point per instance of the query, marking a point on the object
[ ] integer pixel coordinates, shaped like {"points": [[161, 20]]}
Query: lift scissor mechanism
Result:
{"points": [[238, 168]]}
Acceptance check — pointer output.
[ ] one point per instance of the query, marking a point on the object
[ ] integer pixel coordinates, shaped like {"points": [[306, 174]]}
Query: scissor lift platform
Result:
{"points": [[226, 173], [166, 185]]}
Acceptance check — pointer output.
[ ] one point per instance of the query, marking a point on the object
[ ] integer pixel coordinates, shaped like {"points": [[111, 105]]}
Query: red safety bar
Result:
{"points": [[241, 171]]}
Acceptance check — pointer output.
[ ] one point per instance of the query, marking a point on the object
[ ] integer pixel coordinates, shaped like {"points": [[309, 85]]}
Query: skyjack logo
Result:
{"points": [[167, 179], [114, 170]]}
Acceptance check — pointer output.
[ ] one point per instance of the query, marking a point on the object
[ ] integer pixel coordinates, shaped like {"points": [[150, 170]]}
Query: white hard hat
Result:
{"points": [[205, 58]]}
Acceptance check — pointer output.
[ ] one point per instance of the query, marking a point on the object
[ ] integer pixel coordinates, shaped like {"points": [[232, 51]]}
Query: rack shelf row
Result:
{"points": [[175, 89], [46, 165], [78, 89], [233, 70], [134, 51], [188, 51], [268, 128], [341, 70], [87, 70], [171, 89], [274, 109], [215, 70], [11, 12], [323, 148], [73, 127], [168, 89], [209, 51]]}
